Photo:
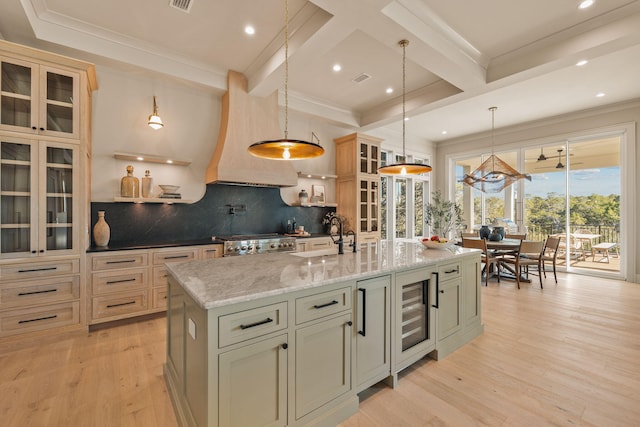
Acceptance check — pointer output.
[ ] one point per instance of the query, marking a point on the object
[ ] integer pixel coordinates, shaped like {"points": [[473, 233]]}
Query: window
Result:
{"points": [[402, 202]]}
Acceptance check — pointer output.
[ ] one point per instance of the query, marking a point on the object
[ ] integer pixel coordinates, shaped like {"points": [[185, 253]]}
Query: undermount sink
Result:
{"points": [[319, 252]]}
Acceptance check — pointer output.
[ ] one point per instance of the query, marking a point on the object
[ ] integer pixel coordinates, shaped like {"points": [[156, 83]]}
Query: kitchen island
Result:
{"points": [[290, 339]]}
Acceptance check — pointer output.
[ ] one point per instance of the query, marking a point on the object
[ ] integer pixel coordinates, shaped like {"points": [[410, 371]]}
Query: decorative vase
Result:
{"points": [[495, 235], [130, 185], [147, 184], [303, 196], [499, 230], [101, 231], [484, 232]]}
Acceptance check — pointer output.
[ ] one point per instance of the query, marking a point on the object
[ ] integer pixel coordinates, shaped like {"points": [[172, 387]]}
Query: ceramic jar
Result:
{"points": [[495, 235], [101, 231], [303, 196], [147, 184], [484, 232], [130, 185]]}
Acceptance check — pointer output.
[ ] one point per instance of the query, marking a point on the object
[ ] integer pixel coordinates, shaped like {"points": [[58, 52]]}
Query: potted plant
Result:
{"points": [[444, 216]]}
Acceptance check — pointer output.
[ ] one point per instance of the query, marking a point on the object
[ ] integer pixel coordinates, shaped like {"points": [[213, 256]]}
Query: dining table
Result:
{"points": [[507, 247]]}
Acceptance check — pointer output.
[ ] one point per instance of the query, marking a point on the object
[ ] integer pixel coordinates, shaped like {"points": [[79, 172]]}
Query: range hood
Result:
{"points": [[245, 120]]}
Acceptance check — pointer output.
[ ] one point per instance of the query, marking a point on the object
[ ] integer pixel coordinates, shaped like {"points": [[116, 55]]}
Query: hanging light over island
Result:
{"points": [[285, 148], [404, 168]]}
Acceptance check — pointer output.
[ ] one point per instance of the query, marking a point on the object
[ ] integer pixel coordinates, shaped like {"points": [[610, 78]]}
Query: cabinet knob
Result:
{"points": [[442, 292], [349, 323], [34, 128], [285, 346], [42, 129]]}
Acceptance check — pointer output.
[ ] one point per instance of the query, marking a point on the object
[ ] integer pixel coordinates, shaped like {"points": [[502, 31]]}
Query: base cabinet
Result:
{"points": [[253, 384], [372, 331]]}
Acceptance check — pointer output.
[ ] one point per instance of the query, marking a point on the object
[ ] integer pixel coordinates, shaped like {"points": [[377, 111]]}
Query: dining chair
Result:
{"points": [[463, 235], [529, 254], [550, 253], [516, 236], [486, 258]]}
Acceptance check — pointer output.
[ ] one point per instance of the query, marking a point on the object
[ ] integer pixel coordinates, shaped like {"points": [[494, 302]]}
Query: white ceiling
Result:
{"points": [[463, 57]]}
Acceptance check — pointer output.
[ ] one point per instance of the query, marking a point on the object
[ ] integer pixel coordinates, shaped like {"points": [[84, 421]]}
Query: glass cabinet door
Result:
{"points": [[18, 182], [59, 112], [57, 197], [17, 88]]}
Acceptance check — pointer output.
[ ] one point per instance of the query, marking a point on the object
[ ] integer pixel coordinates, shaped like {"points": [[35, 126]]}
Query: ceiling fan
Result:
{"points": [[560, 165]]}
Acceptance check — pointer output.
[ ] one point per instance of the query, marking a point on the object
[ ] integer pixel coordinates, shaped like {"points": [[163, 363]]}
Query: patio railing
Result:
{"points": [[608, 233]]}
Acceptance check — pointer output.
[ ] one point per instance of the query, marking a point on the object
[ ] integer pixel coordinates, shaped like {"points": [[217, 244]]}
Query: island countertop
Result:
{"points": [[222, 281]]}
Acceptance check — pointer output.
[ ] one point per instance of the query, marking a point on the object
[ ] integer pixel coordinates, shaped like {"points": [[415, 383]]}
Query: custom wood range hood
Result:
{"points": [[245, 120]]}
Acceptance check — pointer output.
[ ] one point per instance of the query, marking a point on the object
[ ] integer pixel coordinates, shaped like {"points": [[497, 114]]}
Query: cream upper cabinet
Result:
{"points": [[39, 99], [39, 182], [358, 183]]}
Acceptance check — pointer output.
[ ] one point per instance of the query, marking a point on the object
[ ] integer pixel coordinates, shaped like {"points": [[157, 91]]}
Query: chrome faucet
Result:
{"points": [[353, 242], [340, 241]]}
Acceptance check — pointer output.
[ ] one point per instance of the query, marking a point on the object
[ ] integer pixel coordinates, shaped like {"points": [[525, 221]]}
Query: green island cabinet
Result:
{"points": [[300, 358]]}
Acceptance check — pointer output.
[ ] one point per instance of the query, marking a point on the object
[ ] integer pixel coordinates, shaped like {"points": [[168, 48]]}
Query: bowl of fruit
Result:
{"points": [[437, 242]]}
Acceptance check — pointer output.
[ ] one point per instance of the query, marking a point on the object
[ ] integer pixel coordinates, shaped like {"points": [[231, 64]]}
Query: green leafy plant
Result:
{"points": [[444, 216]]}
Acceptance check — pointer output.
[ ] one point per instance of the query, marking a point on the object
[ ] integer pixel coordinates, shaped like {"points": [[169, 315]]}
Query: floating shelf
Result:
{"points": [[315, 205], [151, 159], [316, 176], [150, 200]]}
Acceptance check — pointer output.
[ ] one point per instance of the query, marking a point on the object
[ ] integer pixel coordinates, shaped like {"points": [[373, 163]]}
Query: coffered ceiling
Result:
{"points": [[463, 57]]}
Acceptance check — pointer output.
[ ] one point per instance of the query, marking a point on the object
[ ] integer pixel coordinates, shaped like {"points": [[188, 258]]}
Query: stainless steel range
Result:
{"points": [[257, 244]]}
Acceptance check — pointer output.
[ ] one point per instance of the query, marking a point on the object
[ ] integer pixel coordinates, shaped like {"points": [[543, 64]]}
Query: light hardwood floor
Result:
{"points": [[567, 355]]}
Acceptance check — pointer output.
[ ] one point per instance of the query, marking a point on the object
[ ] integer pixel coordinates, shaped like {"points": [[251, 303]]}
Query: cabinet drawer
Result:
{"points": [[160, 276], [321, 305], [118, 281], [159, 298], [26, 270], [159, 258], [112, 262], [41, 291], [449, 271], [211, 251], [112, 306], [244, 325], [39, 318]]}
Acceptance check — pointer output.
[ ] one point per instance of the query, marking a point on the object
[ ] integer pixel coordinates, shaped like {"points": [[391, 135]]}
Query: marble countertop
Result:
{"points": [[229, 280]]}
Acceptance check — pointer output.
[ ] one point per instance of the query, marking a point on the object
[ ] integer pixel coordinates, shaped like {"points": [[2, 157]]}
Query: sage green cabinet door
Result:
{"points": [[372, 322], [449, 302], [471, 292], [323, 363], [253, 385]]}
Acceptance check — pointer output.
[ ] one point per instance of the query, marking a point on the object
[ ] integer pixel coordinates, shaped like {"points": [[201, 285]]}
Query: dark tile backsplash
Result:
{"points": [[224, 210]]}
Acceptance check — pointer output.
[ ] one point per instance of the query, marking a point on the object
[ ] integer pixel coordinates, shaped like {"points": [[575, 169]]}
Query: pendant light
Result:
{"points": [[560, 165], [155, 122], [494, 174], [285, 148], [404, 168], [542, 157]]}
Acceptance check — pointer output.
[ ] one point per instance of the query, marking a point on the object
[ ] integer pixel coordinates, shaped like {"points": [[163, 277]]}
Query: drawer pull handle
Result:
{"points": [[22, 294], [120, 304], [176, 256], [111, 282], [39, 318], [32, 270], [253, 325], [451, 271], [213, 250], [334, 302], [123, 261]]}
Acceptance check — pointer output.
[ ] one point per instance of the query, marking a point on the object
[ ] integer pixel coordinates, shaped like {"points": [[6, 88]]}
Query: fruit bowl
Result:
{"points": [[437, 245]]}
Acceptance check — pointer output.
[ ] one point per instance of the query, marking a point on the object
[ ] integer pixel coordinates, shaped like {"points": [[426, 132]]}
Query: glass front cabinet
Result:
{"points": [[358, 183], [38, 190], [39, 99]]}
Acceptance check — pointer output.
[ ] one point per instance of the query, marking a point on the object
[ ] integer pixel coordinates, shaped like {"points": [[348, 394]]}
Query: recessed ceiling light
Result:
{"points": [[406, 119], [582, 62], [169, 161], [585, 4], [139, 158], [600, 94], [444, 132], [389, 90], [249, 30], [337, 67]]}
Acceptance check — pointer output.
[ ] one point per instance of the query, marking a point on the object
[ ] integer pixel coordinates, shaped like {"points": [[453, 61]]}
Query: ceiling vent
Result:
{"points": [[183, 5], [361, 77]]}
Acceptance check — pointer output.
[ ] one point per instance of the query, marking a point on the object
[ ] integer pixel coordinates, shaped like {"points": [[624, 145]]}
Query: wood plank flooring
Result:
{"points": [[568, 355]]}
